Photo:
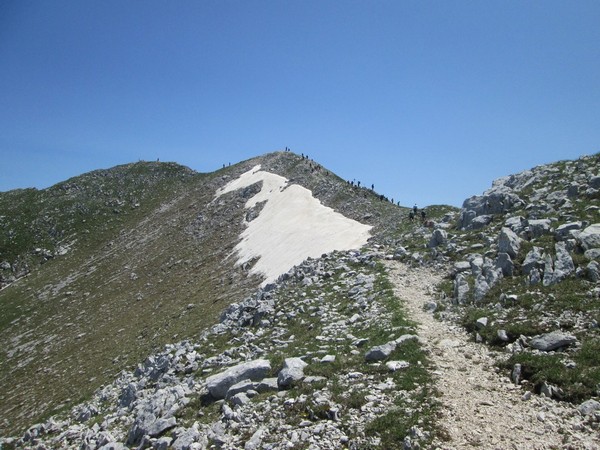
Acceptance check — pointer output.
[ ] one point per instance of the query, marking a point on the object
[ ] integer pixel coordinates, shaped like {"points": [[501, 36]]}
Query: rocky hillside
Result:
{"points": [[523, 273], [323, 357], [103, 269]]}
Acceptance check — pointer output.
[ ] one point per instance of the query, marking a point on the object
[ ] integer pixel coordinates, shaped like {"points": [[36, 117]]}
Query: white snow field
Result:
{"points": [[292, 226]]}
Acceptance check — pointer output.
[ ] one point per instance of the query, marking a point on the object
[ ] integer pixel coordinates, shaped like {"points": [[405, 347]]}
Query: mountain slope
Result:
{"points": [[325, 354], [133, 258]]}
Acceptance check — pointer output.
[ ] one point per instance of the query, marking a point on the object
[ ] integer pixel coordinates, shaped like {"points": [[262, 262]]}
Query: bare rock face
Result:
{"points": [[219, 384]]}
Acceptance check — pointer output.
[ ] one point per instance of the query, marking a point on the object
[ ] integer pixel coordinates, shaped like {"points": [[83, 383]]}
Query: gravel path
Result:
{"points": [[481, 408]]}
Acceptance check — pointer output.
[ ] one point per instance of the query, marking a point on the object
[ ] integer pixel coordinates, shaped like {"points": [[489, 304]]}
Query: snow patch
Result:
{"points": [[292, 226]]}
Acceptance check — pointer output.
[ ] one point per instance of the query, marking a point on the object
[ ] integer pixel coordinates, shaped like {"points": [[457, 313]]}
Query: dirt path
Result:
{"points": [[481, 409]]}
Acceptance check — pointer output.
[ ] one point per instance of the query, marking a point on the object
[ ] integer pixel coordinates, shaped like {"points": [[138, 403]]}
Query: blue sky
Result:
{"points": [[428, 100]]}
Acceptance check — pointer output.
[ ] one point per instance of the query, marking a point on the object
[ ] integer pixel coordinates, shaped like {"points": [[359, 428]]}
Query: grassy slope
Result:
{"points": [[122, 291], [136, 277]]}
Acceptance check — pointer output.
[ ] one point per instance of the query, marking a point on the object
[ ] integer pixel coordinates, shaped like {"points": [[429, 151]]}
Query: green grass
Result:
{"points": [[578, 384], [86, 302]]}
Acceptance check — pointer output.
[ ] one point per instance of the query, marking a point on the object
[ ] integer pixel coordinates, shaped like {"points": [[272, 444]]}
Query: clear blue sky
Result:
{"points": [[428, 100]]}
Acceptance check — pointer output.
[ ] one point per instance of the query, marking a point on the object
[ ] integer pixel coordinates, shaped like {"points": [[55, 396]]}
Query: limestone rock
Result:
{"points": [[242, 386], [509, 242], [548, 271], [405, 338], [147, 424], [593, 271], [567, 230], [481, 221], [588, 407], [590, 237], [186, 438], [482, 287], [255, 441], [380, 352], [461, 289], [539, 227], [533, 260], [481, 323], [328, 359], [563, 266], [293, 371], [502, 335], [240, 399], [504, 263], [266, 385], [462, 266], [393, 366], [552, 341], [438, 237], [219, 384], [592, 254], [517, 224]]}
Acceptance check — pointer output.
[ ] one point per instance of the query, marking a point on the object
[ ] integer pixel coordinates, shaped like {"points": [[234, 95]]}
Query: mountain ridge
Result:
{"points": [[130, 257], [174, 263]]}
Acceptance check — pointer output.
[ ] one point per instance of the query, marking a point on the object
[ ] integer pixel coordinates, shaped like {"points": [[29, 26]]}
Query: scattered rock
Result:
{"points": [[552, 341], [380, 352], [588, 407], [219, 384], [393, 366], [590, 237], [293, 371], [509, 242]]}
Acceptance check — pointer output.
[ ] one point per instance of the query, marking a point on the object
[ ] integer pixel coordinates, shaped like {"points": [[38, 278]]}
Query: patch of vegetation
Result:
{"points": [[393, 426], [578, 382]]}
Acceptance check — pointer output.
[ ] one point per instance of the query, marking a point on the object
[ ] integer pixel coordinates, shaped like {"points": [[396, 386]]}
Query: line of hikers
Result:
{"points": [[317, 167]]}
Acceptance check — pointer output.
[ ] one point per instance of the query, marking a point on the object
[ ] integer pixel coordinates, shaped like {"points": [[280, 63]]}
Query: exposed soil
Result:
{"points": [[481, 407]]}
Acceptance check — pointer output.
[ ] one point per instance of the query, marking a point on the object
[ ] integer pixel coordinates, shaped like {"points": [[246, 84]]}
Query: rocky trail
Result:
{"points": [[480, 407]]}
